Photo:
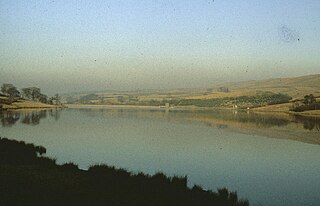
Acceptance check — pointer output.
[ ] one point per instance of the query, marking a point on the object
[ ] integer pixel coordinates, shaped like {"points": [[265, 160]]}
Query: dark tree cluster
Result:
{"points": [[10, 90], [309, 103], [34, 94], [9, 118], [29, 93], [309, 99]]}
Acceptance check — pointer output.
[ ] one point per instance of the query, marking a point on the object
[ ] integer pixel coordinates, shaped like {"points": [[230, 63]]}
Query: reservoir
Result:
{"points": [[270, 159]]}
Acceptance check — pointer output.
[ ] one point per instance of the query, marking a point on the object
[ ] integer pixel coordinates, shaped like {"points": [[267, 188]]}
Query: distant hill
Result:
{"points": [[296, 87]]}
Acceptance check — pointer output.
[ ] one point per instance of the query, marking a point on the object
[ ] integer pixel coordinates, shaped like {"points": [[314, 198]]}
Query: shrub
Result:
{"points": [[306, 107], [38, 180], [70, 166]]}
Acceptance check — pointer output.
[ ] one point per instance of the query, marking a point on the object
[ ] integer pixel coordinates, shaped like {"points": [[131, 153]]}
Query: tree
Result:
{"points": [[120, 99], [55, 99], [27, 93], [13, 92], [32, 93], [5, 87], [10, 90], [309, 99], [35, 92], [58, 98], [50, 100], [43, 98]]}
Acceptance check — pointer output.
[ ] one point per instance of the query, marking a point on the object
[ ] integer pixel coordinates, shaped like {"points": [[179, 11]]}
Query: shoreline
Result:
{"points": [[314, 113], [27, 105], [30, 108], [131, 106], [279, 109]]}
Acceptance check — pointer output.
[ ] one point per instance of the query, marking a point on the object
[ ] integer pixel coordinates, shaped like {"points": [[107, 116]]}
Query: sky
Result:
{"points": [[70, 46]]}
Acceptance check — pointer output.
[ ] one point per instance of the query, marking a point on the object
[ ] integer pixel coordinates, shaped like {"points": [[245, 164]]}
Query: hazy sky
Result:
{"points": [[64, 46]]}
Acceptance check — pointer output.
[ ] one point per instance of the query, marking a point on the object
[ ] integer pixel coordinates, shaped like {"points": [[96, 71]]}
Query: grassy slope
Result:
{"points": [[296, 87], [20, 104]]}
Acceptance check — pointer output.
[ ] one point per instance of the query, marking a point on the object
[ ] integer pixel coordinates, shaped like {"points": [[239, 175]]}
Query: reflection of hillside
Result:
{"points": [[298, 128], [280, 126], [211, 117], [310, 123], [240, 119], [28, 117]]}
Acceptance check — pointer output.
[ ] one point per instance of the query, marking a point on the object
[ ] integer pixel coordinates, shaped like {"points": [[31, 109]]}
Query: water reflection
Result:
{"points": [[34, 117], [272, 125], [309, 123], [216, 118], [247, 118], [55, 113], [28, 117], [9, 118], [283, 126], [239, 150]]}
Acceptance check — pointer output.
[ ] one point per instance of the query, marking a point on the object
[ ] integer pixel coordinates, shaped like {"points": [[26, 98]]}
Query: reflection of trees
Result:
{"points": [[9, 118], [209, 117], [310, 123], [33, 118], [55, 113]]}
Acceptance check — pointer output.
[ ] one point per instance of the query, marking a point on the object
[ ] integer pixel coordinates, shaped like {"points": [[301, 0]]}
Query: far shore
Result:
{"points": [[279, 108], [132, 106]]}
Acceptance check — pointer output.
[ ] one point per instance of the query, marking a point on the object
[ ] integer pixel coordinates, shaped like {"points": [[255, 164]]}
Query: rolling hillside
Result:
{"points": [[295, 87]]}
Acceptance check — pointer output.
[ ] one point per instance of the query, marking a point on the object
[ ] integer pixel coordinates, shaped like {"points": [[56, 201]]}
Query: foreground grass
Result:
{"points": [[28, 178]]}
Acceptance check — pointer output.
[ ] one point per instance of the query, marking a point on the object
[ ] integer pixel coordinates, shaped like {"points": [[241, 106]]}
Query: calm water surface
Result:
{"points": [[269, 159]]}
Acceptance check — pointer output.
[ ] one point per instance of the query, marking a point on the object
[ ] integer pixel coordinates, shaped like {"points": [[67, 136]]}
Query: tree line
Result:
{"points": [[28, 93]]}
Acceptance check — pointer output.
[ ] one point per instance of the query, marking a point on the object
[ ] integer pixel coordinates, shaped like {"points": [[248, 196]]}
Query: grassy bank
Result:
{"points": [[29, 178], [26, 104], [285, 108]]}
